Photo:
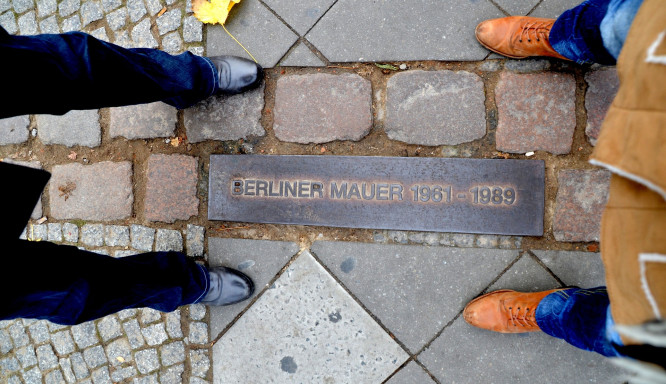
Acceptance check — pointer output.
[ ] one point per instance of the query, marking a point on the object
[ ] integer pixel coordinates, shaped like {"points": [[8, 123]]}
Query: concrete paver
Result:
{"points": [[581, 269], [412, 373]]}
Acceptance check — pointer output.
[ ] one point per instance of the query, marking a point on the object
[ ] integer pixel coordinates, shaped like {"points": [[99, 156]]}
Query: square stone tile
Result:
{"points": [[72, 128], [582, 269], [171, 190], [301, 56], [517, 7], [259, 259], [398, 30], [414, 291], [143, 121], [526, 275], [411, 374], [14, 130], [300, 15], [554, 8], [263, 34], [602, 86], [311, 331]]}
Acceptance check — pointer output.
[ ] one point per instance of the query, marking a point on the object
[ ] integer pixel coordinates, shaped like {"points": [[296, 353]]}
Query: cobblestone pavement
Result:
{"points": [[332, 305]]}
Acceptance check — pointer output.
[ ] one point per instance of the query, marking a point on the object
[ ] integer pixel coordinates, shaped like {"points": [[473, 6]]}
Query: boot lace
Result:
{"points": [[536, 30], [522, 317]]}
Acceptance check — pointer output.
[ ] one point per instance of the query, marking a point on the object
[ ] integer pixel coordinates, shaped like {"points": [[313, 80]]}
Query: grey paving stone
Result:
{"points": [[463, 240], [142, 237], [123, 253], [101, 376], [526, 275], [117, 20], [226, 117], [396, 30], [54, 377], [192, 30], [119, 352], [94, 356], [17, 332], [300, 15], [9, 364], [553, 8], [110, 5], [149, 316], [169, 21], [263, 34], [154, 6], [168, 240], [5, 5], [544, 121], [141, 34], [109, 328], [490, 66], [92, 235], [71, 24], [517, 8], [91, 11], [8, 22], [100, 34], [54, 232], [399, 237], [14, 380], [27, 24], [529, 65], [172, 375], [147, 360], [38, 232], [120, 374], [63, 343], [199, 51], [197, 311], [33, 376], [70, 232], [73, 128], [259, 259], [127, 313], [318, 108], [172, 353], [411, 374], [463, 349], [101, 191], [26, 356], [301, 56], [154, 334], [582, 269], [172, 43], [21, 6], [66, 368], [133, 332], [199, 362], [487, 241], [414, 291], [46, 358], [150, 379], [435, 107], [136, 10], [602, 88], [14, 130], [581, 197], [53, 327], [79, 366], [85, 335], [67, 7], [195, 237], [6, 344], [322, 338], [198, 333], [116, 235], [173, 326]]}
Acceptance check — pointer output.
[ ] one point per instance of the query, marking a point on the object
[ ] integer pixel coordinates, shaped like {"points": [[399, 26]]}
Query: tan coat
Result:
{"points": [[632, 145]]}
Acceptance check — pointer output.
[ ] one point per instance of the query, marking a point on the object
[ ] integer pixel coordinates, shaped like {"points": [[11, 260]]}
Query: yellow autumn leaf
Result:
{"points": [[213, 12]]}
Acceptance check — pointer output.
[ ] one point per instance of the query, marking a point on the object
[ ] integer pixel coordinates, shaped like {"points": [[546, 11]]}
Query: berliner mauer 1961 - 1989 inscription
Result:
{"points": [[422, 194]]}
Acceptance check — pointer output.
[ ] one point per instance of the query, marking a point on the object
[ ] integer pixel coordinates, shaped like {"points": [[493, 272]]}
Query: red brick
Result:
{"points": [[536, 112], [320, 108], [581, 198], [171, 189], [602, 87]]}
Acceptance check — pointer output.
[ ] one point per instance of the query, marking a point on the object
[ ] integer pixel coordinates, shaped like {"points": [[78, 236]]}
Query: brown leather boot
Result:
{"points": [[505, 311], [517, 37]]}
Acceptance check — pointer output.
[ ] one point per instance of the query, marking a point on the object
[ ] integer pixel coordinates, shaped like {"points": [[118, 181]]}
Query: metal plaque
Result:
{"points": [[503, 197]]}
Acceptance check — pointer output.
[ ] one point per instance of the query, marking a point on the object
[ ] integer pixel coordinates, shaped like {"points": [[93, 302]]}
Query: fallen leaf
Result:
{"points": [[72, 155], [120, 359], [160, 13], [215, 11], [593, 247], [175, 142], [386, 66]]}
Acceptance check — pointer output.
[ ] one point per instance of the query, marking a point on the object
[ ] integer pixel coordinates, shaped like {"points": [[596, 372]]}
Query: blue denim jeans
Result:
{"points": [[69, 286], [581, 317], [56, 73], [594, 31]]}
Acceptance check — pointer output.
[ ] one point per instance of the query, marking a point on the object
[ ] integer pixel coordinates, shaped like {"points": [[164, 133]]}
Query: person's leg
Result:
{"points": [[68, 286], [581, 317]]}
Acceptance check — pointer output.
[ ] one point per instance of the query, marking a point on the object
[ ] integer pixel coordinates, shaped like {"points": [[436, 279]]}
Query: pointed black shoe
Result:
{"points": [[236, 74], [227, 286]]}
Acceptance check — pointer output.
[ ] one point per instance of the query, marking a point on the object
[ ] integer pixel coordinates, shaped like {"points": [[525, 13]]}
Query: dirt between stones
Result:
{"points": [[376, 143]]}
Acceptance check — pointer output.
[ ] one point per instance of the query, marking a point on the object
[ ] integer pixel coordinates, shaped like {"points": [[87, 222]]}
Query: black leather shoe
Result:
{"points": [[227, 286], [236, 74]]}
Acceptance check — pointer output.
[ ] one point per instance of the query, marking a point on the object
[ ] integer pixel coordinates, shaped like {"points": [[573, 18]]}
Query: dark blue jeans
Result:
{"points": [[581, 317], [65, 285], [56, 73], [594, 31]]}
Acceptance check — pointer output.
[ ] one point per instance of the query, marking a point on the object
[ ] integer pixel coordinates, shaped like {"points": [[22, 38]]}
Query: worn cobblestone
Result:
{"points": [[19, 337], [149, 316], [198, 333], [14, 130], [197, 311], [73, 24], [142, 237], [117, 19], [169, 21], [26, 356], [195, 240], [173, 325], [49, 25], [92, 235], [66, 368], [85, 335], [119, 352], [101, 376], [136, 10], [120, 374], [38, 232], [70, 232], [110, 5], [192, 30], [46, 358], [6, 344], [172, 375], [141, 35], [8, 22], [21, 6], [32, 376], [199, 362], [602, 88], [28, 24], [67, 7], [168, 240], [109, 328], [54, 232], [172, 43], [143, 121], [127, 313], [171, 190], [147, 360], [133, 332], [94, 356], [153, 6], [154, 334], [117, 236], [54, 377], [62, 342], [91, 11], [79, 366], [172, 353]]}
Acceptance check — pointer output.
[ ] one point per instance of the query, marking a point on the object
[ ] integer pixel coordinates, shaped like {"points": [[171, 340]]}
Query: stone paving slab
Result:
{"points": [[328, 337], [14, 130], [300, 15], [259, 259], [72, 128], [171, 189], [435, 107], [581, 269], [143, 121], [581, 198], [394, 30], [321, 107], [602, 88], [553, 8], [301, 56], [526, 275], [411, 374], [101, 191], [414, 291]]}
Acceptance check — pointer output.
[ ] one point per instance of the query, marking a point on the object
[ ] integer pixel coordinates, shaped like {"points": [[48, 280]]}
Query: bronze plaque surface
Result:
{"points": [[503, 197]]}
